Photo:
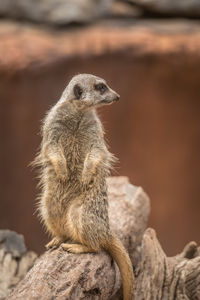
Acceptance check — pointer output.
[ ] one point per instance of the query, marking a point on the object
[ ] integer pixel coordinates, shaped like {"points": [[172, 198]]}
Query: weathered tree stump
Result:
{"points": [[160, 277], [61, 275]]}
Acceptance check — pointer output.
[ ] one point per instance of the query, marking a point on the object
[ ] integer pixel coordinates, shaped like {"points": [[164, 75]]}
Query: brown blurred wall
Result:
{"points": [[154, 131]]}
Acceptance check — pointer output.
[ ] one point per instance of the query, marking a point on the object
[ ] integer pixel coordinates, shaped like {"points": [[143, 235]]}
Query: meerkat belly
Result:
{"points": [[74, 220], [75, 153], [87, 221], [52, 212], [90, 220]]}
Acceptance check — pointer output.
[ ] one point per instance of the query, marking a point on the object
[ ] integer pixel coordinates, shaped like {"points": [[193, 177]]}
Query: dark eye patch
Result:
{"points": [[101, 87], [78, 91]]}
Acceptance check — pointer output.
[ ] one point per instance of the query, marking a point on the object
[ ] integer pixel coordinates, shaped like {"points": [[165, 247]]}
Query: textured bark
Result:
{"points": [[169, 7], [15, 261], [61, 275], [160, 277]]}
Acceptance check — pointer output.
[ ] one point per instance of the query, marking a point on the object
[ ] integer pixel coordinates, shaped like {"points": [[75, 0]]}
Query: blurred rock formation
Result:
{"points": [[63, 12], [56, 12], [15, 261]]}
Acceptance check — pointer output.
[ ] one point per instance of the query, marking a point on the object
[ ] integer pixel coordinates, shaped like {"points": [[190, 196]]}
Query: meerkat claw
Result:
{"points": [[53, 244], [77, 248]]}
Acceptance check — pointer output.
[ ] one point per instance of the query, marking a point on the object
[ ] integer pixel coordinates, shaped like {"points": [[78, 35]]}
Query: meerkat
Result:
{"points": [[74, 163]]}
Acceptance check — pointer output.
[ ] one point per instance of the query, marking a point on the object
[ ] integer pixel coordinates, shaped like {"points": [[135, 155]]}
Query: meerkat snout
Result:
{"points": [[112, 97], [107, 95], [117, 97]]}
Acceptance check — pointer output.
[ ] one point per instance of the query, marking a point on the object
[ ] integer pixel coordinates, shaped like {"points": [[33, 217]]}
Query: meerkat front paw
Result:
{"points": [[87, 180], [88, 176], [61, 170], [76, 248], [54, 243]]}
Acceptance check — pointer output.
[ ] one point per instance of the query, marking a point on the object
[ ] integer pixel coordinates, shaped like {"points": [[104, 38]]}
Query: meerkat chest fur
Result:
{"points": [[80, 134]]}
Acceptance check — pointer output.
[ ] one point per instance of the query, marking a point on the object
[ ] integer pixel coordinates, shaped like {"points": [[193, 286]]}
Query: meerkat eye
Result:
{"points": [[101, 87], [78, 91]]}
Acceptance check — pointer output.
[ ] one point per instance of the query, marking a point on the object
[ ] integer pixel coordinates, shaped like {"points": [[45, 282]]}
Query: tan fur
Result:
{"points": [[74, 164]]}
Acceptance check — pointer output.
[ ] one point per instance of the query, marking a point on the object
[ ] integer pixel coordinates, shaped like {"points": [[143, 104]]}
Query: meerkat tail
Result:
{"points": [[115, 248]]}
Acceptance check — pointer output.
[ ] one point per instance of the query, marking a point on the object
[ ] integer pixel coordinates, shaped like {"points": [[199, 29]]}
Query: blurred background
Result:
{"points": [[149, 52]]}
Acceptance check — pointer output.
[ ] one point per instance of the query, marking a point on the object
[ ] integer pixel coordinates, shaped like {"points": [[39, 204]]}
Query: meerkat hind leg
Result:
{"points": [[77, 248], [54, 243]]}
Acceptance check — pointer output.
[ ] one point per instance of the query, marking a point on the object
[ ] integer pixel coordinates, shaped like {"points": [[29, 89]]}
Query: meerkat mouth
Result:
{"points": [[106, 102], [109, 101]]}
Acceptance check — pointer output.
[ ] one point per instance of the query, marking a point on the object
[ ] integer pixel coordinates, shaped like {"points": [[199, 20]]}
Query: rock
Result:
{"points": [[56, 12], [61, 275], [12, 242], [26, 47], [170, 7], [15, 261]]}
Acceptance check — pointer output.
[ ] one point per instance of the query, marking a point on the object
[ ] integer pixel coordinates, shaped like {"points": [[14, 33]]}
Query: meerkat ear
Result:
{"points": [[77, 91]]}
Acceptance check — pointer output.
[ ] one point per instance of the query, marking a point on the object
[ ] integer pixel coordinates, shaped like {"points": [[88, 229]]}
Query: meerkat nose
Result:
{"points": [[117, 97]]}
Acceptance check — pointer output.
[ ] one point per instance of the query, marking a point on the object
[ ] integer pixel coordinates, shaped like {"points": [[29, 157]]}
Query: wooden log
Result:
{"points": [[61, 275], [160, 277]]}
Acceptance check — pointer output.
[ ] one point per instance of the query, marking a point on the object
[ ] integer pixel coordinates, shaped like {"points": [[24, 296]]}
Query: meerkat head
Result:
{"points": [[87, 91]]}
